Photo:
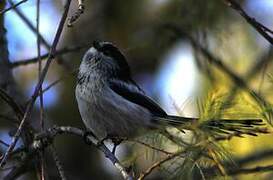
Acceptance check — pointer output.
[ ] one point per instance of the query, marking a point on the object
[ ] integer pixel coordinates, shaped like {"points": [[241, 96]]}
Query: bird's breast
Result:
{"points": [[106, 113]]}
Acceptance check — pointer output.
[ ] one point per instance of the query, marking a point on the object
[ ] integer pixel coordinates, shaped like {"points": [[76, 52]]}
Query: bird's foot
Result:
{"points": [[116, 141]]}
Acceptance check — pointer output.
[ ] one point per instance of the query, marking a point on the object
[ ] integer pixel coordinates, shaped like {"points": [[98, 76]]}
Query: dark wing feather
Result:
{"points": [[133, 93]]}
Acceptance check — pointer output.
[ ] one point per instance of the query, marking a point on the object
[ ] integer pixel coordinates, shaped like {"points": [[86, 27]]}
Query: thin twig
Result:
{"points": [[58, 162], [34, 30], [57, 53], [158, 164], [59, 80], [252, 21], [54, 83], [11, 102], [263, 61], [19, 169], [29, 24], [39, 66], [151, 147], [7, 82], [5, 144], [36, 92], [41, 168], [12, 7], [200, 171], [77, 14]]}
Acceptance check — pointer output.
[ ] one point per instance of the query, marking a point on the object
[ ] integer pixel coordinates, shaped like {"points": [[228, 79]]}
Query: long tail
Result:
{"points": [[175, 120], [221, 127]]}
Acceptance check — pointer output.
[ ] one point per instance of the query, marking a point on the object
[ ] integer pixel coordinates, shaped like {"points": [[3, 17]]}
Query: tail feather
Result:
{"points": [[222, 127], [235, 127], [175, 120]]}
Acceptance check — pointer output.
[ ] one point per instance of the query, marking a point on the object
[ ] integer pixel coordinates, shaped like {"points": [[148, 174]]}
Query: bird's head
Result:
{"points": [[104, 57]]}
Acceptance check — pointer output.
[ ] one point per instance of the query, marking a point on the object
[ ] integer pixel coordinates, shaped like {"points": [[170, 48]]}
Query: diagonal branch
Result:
{"points": [[74, 72], [10, 92], [34, 30], [36, 92], [258, 26], [11, 102], [240, 82], [58, 162], [12, 7], [41, 165], [29, 24], [158, 164]]}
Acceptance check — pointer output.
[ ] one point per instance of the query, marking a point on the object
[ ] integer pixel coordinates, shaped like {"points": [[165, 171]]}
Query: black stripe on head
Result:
{"points": [[108, 49]]}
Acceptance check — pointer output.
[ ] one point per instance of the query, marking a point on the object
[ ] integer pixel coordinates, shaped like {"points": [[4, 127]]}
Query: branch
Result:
{"points": [[77, 14], [29, 24], [9, 91], [34, 30], [51, 133], [151, 147], [58, 163], [240, 162], [263, 61], [41, 167], [36, 92], [18, 169], [54, 83], [57, 53], [158, 164], [12, 7], [74, 72], [11, 102], [4, 143], [258, 26], [7, 81], [45, 139], [240, 82]]}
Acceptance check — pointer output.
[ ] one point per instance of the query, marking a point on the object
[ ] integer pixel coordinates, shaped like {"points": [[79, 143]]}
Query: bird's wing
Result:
{"points": [[130, 91]]}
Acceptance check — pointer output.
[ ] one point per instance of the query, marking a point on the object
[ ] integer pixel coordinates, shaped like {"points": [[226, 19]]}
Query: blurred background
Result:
{"points": [[164, 65]]}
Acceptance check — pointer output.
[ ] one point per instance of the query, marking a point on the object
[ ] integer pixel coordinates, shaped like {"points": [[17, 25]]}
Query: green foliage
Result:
{"points": [[201, 148]]}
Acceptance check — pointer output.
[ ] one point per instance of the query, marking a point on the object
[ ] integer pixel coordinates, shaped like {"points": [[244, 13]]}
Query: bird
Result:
{"points": [[112, 105]]}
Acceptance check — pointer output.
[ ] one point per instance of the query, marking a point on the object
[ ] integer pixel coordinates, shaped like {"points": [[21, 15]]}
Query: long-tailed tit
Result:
{"points": [[111, 104]]}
